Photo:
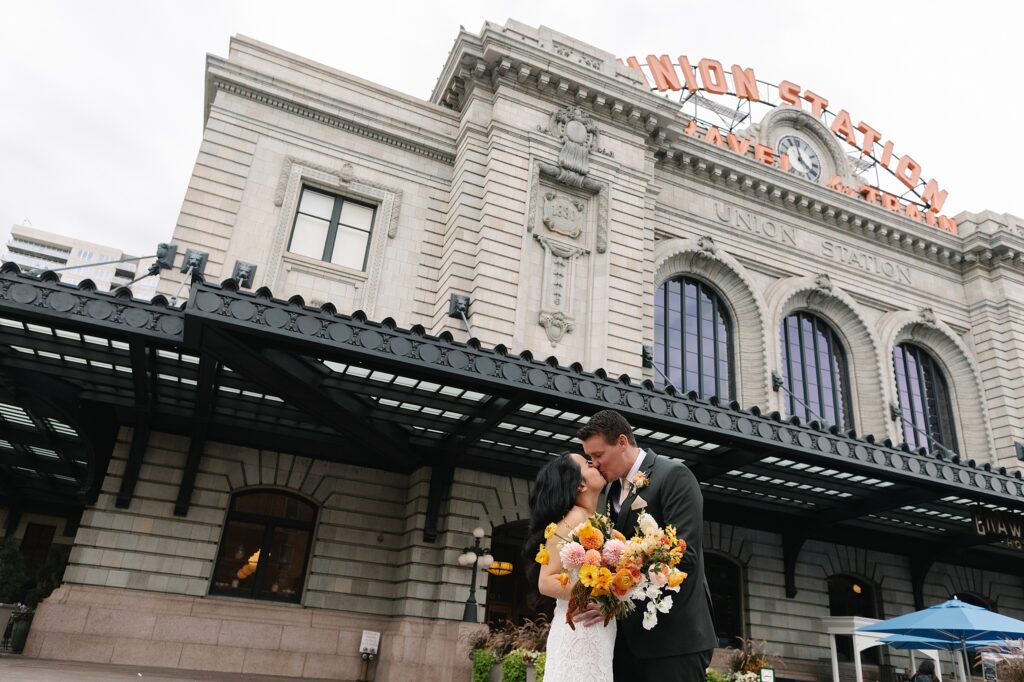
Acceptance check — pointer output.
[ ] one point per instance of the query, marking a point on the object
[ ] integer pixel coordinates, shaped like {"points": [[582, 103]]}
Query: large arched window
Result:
{"points": [[851, 596], [925, 404], [693, 338], [814, 371], [726, 584], [265, 547]]}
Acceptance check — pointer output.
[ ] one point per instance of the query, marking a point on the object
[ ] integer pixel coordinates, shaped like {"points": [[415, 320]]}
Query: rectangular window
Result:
{"points": [[332, 228]]}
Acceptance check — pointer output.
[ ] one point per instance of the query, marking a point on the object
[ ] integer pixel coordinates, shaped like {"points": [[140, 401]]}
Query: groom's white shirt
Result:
{"points": [[624, 491]]}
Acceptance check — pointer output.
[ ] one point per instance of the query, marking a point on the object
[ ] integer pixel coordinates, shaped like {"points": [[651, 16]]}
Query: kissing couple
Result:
{"points": [[622, 480]]}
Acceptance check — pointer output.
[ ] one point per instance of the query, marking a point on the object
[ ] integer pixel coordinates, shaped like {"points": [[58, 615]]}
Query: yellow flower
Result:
{"points": [[603, 580], [590, 537], [563, 579], [550, 530], [588, 575], [675, 578], [542, 556]]}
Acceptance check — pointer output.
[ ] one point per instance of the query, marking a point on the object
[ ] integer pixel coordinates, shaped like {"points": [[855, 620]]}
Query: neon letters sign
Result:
{"points": [[711, 77]]}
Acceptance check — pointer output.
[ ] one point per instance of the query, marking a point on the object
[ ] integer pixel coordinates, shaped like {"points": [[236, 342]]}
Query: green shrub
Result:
{"points": [[483, 661], [513, 667], [539, 664]]}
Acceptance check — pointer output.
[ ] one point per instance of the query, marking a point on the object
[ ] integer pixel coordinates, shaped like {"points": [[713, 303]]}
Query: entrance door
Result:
{"points": [[510, 597]]}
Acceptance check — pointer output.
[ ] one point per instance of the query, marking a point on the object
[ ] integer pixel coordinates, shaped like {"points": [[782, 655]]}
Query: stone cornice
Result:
{"points": [[273, 92], [497, 56], [708, 162]]}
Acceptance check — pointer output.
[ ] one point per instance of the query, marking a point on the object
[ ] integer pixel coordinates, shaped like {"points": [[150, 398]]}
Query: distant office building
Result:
{"points": [[34, 249]]}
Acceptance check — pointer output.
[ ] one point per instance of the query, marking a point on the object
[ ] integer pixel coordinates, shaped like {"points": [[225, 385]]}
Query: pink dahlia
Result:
{"points": [[612, 552], [593, 557], [572, 555]]}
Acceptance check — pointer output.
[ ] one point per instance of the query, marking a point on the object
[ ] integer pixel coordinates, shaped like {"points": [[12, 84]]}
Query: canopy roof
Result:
{"points": [[253, 370]]}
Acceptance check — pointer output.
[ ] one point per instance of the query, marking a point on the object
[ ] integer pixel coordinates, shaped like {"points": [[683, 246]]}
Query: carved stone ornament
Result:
{"points": [[706, 246], [564, 215], [556, 325], [928, 315], [577, 133], [823, 283], [557, 287]]}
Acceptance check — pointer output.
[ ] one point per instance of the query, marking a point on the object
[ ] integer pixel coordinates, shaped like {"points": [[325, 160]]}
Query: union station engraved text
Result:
{"points": [[755, 224], [865, 261]]}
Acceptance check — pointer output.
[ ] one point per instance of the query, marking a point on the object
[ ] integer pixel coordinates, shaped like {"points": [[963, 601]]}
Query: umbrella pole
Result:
{"points": [[963, 644]]}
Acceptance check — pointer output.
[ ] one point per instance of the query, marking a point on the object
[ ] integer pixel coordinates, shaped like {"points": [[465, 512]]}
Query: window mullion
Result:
{"points": [[934, 394], [332, 230]]}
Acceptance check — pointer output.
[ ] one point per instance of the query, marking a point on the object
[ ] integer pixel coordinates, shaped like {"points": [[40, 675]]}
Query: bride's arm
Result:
{"points": [[547, 582]]}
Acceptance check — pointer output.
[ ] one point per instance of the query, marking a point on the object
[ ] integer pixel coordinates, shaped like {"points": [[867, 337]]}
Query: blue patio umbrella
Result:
{"points": [[953, 621], [923, 643]]}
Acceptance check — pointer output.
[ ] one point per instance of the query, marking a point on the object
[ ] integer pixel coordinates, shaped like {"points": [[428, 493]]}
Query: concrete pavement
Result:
{"points": [[19, 669]]}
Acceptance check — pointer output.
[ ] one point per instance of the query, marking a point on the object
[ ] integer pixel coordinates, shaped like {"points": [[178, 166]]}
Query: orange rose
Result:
{"points": [[622, 583], [591, 538], [617, 535]]}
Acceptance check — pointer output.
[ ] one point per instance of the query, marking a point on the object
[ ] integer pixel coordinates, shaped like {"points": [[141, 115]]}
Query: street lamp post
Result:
{"points": [[474, 556]]}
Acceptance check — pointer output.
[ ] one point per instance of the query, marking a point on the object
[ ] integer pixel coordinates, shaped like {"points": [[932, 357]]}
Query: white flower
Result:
{"points": [[648, 525], [665, 604], [650, 620]]}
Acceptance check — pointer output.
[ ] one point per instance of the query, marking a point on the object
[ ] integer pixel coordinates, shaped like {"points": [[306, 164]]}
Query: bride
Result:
{"points": [[566, 492]]}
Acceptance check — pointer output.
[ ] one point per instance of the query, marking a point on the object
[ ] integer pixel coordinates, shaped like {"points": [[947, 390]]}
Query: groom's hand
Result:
{"points": [[589, 616]]}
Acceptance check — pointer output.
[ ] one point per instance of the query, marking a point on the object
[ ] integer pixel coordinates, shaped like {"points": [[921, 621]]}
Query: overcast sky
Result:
{"points": [[101, 103]]}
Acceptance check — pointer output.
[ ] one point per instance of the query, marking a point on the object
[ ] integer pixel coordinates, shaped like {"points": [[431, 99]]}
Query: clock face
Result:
{"points": [[803, 160]]}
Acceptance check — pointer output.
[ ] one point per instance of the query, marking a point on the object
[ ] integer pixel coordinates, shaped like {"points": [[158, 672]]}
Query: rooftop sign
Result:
{"points": [[872, 149]]}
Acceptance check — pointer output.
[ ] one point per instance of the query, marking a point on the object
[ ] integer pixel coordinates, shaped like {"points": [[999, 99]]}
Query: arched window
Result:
{"points": [[814, 371], [852, 596], [265, 546], [693, 338], [974, 600], [726, 585], [925, 404]]}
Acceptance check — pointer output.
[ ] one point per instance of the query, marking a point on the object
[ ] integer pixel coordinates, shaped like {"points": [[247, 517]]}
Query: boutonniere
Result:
{"points": [[640, 481]]}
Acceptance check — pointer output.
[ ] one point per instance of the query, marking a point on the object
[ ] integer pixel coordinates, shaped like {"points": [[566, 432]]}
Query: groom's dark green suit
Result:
{"points": [[676, 648]]}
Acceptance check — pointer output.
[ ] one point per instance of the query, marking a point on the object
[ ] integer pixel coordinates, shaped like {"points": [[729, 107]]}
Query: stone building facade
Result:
{"points": [[544, 182]]}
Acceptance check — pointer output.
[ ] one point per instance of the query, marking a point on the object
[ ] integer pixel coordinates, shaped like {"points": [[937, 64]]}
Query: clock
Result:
{"points": [[803, 160]]}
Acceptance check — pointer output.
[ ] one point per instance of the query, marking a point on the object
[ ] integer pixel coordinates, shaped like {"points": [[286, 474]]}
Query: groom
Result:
{"points": [[679, 647]]}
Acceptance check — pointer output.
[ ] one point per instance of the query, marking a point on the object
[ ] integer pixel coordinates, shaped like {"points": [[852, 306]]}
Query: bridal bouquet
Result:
{"points": [[605, 568], [591, 556], [651, 557]]}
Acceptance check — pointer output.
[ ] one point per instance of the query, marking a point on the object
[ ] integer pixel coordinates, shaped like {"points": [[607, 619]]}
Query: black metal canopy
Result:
{"points": [[253, 370]]}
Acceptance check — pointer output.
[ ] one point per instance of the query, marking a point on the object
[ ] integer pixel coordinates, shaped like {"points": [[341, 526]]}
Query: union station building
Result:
{"points": [[385, 314]]}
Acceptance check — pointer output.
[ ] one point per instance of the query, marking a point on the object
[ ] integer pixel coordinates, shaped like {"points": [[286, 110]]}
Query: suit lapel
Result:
{"points": [[625, 510]]}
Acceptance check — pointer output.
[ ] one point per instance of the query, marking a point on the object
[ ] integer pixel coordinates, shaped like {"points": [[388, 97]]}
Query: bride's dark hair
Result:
{"points": [[554, 494]]}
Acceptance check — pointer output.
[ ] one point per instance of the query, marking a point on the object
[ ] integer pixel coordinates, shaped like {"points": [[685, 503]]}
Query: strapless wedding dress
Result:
{"points": [[580, 655]]}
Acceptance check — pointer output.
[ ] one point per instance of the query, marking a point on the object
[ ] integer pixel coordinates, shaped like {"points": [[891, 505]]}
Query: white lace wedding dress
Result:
{"points": [[580, 655]]}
